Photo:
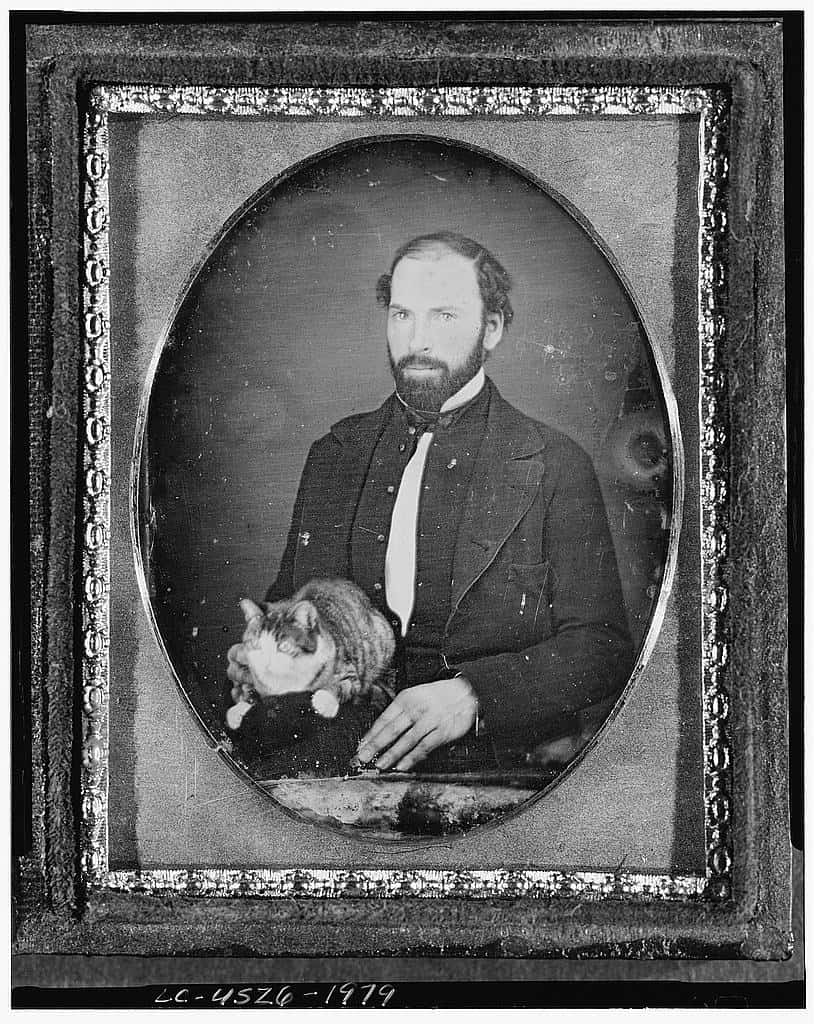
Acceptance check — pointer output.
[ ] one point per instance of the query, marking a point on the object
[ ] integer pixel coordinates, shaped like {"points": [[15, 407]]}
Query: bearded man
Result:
{"points": [[479, 532]]}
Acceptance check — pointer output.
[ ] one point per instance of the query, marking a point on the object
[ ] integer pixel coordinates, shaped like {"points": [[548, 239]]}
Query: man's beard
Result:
{"points": [[428, 393]]}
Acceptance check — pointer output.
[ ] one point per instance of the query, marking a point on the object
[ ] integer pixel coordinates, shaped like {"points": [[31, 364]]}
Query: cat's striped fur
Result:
{"points": [[327, 638]]}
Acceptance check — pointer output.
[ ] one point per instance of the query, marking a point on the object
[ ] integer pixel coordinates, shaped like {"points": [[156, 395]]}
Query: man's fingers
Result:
{"points": [[242, 691], [237, 668], [238, 673], [385, 729], [235, 655], [426, 746], [380, 739], [390, 713], [405, 745], [393, 711], [241, 676]]}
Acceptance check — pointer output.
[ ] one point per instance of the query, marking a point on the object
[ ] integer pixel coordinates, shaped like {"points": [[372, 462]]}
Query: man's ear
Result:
{"points": [[494, 331], [304, 613], [250, 610]]}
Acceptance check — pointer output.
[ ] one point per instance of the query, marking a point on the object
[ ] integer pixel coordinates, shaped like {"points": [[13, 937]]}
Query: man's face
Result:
{"points": [[437, 335]]}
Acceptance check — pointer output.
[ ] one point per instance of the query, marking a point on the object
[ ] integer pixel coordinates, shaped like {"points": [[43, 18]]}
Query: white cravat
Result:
{"points": [[400, 560]]}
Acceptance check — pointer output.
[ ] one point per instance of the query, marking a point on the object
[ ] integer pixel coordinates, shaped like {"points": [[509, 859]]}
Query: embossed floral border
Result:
{"points": [[712, 108]]}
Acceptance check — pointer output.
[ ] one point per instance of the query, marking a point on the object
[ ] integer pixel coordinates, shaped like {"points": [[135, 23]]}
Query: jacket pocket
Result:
{"points": [[533, 573]]}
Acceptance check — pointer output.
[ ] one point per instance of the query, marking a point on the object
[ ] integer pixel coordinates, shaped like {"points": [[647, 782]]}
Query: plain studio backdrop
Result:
{"points": [[280, 336]]}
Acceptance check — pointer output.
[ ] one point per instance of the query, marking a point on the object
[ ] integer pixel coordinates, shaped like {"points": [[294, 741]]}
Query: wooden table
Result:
{"points": [[398, 805]]}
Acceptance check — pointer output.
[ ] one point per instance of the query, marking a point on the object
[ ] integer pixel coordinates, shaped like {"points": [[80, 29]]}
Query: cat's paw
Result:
{"points": [[236, 713], [237, 670], [325, 704]]}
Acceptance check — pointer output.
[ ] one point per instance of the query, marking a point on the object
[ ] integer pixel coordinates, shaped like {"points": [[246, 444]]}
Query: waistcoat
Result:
{"points": [[444, 492]]}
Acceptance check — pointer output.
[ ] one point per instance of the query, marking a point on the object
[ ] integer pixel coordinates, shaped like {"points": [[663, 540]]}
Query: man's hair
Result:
{"points": [[493, 281]]}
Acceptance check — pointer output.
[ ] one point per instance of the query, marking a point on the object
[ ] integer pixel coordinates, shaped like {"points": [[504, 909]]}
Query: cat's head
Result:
{"points": [[286, 650]]}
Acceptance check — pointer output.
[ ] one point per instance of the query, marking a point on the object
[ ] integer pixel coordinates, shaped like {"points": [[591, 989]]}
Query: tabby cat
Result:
{"points": [[315, 675]]}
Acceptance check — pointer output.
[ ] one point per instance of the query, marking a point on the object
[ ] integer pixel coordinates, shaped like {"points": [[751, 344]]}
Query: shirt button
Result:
{"points": [[380, 538], [411, 430], [402, 447], [377, 586], [390, 489]]}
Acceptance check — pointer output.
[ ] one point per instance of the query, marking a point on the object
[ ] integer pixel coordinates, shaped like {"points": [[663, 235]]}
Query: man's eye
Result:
{"points": [[398, 314], [446, 316]]}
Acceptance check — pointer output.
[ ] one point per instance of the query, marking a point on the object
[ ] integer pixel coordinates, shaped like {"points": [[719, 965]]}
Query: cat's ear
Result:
{"points": [[304, 613], [250, 610]]}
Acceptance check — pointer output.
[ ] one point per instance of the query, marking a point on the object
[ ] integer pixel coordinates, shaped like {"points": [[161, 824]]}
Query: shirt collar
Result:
{"points": [[462, 396], [466, 393]]}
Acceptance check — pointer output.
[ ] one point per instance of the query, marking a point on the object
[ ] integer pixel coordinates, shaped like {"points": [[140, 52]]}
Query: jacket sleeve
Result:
{"points": [[534, 694]]}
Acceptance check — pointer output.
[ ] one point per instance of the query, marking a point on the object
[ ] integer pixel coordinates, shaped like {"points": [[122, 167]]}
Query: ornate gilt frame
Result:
{"points": [[711, 107], [729, 77]]}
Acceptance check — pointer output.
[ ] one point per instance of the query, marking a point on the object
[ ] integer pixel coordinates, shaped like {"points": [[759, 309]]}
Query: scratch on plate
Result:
{"points": [[537, 608]]}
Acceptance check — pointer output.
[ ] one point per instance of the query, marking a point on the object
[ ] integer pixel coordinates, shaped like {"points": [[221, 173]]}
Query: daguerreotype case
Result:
{"points": [[210, 208]]}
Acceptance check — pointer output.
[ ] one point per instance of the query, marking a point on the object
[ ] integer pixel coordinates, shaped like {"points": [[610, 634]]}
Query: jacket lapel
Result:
{"points": [[326, 531], [505, 480]]}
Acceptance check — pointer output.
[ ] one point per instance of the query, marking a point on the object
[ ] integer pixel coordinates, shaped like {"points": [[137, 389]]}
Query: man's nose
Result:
{"points": [[419, 336]]}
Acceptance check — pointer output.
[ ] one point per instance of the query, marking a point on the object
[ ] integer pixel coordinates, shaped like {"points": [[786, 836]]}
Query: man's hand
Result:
{"points": [[239, 673], [420, 719]]}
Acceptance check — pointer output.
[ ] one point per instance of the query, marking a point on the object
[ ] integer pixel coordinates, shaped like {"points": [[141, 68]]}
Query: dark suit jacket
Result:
{"points": [[537, 623]]}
